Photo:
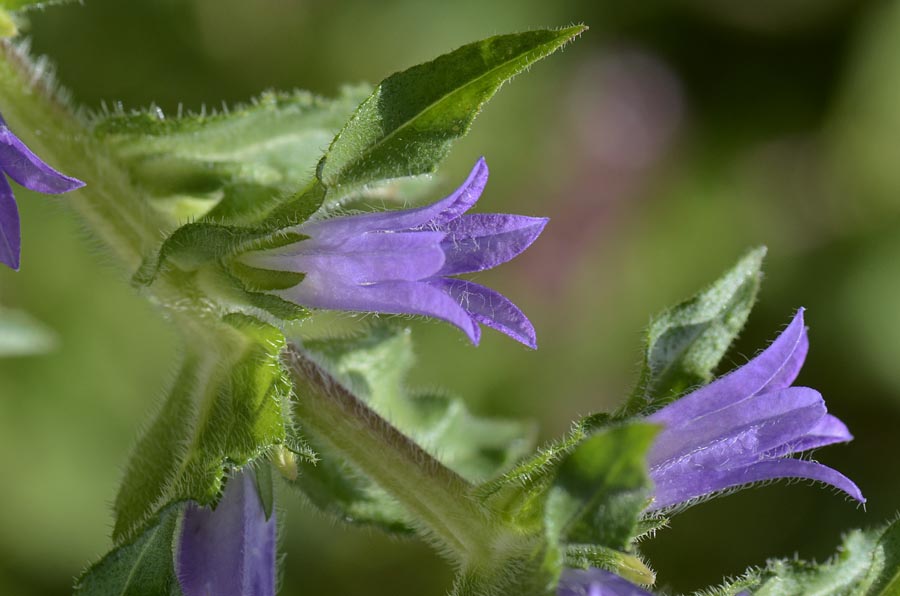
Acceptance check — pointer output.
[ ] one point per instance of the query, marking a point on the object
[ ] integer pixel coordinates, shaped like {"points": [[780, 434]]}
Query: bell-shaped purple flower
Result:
{"points": [[742, 428], [596, 582], [228, 551], [19, 163], [402, 262]]}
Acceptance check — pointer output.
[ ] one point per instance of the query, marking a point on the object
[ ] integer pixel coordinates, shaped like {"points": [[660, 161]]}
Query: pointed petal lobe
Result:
{"points": [[483, 241], [596, 582], [430, 216], [27, 169], [10, 239], [773, 368], [490, 308], [395, 297], [678, 488]]}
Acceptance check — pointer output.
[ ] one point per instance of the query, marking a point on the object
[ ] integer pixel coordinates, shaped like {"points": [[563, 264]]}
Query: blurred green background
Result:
{"points": [[662, 144]]}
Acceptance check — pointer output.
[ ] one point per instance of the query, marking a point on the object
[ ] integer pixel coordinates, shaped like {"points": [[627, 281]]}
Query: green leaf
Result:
{"points": [[142, 567], [227, 406], [601, 488], [23, 335], [685, 343], [233, 166], [866, 564], [407, 125]]}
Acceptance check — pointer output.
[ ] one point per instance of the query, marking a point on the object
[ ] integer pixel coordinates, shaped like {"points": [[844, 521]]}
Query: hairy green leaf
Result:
{"points": [[142, 567], [227, 406], [407, 125], [866, 564], [233, 166], [685, 343]]}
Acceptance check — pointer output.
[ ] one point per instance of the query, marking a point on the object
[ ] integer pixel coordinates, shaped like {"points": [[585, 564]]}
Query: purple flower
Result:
{"points": [[229, 551], [19, 163], [743, 427], [401, 262], [596, 582]]}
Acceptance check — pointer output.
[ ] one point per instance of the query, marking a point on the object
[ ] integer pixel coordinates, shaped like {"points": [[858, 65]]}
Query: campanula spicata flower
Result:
{"points": [[403, 262], [229, 550], [19, 163], [743, 428], [596, 582]]}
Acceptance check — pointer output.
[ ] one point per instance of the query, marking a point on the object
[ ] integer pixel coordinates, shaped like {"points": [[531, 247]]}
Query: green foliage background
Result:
{"points": [[671, 137]]}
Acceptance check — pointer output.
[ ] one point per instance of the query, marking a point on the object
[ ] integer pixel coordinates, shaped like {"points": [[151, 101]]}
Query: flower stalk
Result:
{"points": [[435, 495]]}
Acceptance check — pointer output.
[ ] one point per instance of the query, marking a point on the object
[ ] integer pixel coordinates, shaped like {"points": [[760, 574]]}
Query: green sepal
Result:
{"points": [[144, 566], [198, 244], [255, 279], [685, 343], [601, 488], [520, 492], [13, 5], [627, 565], [228, 406], [262, 476], [866, 564], [407, 125]]}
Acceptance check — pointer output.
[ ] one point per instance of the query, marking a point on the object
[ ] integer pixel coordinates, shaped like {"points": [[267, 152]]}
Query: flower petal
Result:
{"points": [[229, 551], [596, 582], [740, 433], [678, 488], [27, 169], [430, 216], [394, 297], [482, 241], [10, 239], [489, 308], [367, 258], [774, 368], [828, 431]]}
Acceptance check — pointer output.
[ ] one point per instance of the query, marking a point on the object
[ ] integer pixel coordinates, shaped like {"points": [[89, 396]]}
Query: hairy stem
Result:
{"points": [[110, 205], [433, 493]]}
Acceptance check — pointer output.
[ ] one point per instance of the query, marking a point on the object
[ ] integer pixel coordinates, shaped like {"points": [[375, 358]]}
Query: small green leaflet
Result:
{"points": [[143, 567], [23, 335], [686, 342], [407, 125], [866, 564], [226, 405]]}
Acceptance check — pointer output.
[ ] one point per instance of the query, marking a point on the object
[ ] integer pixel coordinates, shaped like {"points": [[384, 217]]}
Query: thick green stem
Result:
{"points": [[437, 496], [110, 204]]}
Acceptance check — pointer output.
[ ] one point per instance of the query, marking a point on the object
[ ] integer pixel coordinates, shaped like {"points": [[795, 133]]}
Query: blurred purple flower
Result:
{"points": [[229, 551], [401, 262], [19, 163], [596, 582], [743, 427]]}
